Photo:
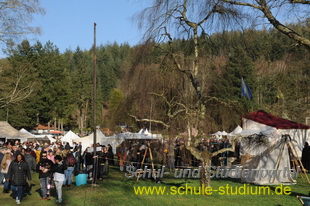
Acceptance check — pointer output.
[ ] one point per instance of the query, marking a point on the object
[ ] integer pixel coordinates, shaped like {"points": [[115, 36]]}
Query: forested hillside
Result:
{"points": [[40, 83]]}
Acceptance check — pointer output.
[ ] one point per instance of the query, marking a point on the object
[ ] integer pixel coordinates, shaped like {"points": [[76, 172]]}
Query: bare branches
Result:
{"points": [[299, 1], [150, 120], [242, 4], [263, 6], [231, 149], [172, 104], [15, 17], [18, 93]]}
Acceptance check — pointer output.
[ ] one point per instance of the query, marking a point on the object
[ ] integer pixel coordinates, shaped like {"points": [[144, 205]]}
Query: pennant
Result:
{"points": [[245, 90]]}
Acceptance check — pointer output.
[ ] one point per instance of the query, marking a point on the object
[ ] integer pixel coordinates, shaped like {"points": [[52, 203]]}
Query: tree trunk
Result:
{"points": [[205, 179]]}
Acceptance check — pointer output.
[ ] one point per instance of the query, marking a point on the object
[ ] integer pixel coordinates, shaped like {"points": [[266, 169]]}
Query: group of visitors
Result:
{"points": [[55, 164], [171, 154]]}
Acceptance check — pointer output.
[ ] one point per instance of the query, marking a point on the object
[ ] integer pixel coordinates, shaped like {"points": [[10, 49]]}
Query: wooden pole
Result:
{"points": [[95, 107], [151, 156], [138, 175], [279, 160]]}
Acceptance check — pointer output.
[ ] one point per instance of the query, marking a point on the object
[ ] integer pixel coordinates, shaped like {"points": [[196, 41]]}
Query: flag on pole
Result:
{"points": [[245, 90]]}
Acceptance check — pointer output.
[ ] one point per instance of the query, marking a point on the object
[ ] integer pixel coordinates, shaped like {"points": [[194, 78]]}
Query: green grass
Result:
{"points": [[118, 190]]}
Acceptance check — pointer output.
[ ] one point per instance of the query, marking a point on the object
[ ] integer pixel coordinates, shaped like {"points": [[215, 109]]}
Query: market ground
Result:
{"points": [[116, 189]]}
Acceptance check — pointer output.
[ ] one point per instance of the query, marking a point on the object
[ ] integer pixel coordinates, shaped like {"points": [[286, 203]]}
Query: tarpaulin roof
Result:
{"points": [[263, 117], [8, 132]]}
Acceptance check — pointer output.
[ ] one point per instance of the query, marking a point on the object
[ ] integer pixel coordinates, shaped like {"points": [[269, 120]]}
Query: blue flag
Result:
{"points": [[245, 90]]}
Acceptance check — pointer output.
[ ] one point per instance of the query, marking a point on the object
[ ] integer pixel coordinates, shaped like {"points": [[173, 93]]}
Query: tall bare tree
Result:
{"points": [[165, 19], [15, 17]]}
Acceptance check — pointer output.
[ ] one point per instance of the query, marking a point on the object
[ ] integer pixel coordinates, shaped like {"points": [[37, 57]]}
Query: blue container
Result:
{"points": [[81, 179]]}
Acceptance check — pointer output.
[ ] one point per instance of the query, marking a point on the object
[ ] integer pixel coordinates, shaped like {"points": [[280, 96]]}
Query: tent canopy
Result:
{"points": [[263, 117], [70, 137], [236, 131], [9, 132], [24, 131], [261, 121], [89, 140]]}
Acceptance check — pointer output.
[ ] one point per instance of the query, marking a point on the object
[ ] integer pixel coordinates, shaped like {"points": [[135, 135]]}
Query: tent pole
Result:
{"points": [[279, 160]]}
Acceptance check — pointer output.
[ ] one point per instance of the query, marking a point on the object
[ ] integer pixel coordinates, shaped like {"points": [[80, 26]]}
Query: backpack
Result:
{"points": [[71, 160], [76, 156]]}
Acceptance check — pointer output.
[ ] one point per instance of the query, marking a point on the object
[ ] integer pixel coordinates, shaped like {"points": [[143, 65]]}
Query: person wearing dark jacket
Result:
{"points": [[58, 171], [89, 161], [111, 155], [30, 160], [305, 157], [18, 174], [32, 166], [44, 168]]}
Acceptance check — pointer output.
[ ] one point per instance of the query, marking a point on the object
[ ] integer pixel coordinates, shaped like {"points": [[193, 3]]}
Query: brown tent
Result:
{"points": [[9, 132]]}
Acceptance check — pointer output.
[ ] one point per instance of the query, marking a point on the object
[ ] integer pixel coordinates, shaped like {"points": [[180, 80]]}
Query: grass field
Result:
{"points": [[116, 189]]}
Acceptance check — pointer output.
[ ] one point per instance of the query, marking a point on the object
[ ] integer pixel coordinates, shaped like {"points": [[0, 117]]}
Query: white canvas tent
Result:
{"points": [[89, 140], [274, 154], [144, 131], [272, 159], [220, 134], [236, 131], [262, 121], [70, 137], [34, 137], [24, 131], [115, 140], [9, 132]]}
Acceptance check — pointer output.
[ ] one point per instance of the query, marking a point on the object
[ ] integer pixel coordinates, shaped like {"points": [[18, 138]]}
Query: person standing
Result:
{"points": [[6, 161], [32, 166], [89, 161], [77, 157], [105, 160], [305, 157], [111, 155], [18, 174], [44, 168], [59, 176], [1, 158], [70, 161]]}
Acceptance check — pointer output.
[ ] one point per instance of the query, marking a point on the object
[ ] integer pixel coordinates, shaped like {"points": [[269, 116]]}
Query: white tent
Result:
{"points": [[70, 137], [24, 131], [236, 131], [262, 121], [89, 140], [273, 153], [272, 159], [9, 132], [220, 134], [42, 137], [37, 137], [115, 140], [144, 131]]}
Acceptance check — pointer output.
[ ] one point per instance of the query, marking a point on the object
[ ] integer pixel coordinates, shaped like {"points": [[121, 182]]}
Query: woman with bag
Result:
{"points": [[59, 176], [18, 174]]}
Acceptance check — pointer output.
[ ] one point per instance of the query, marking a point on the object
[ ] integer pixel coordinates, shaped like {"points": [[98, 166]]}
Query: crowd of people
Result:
{"points": [[55, 164], [172, 154]]}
